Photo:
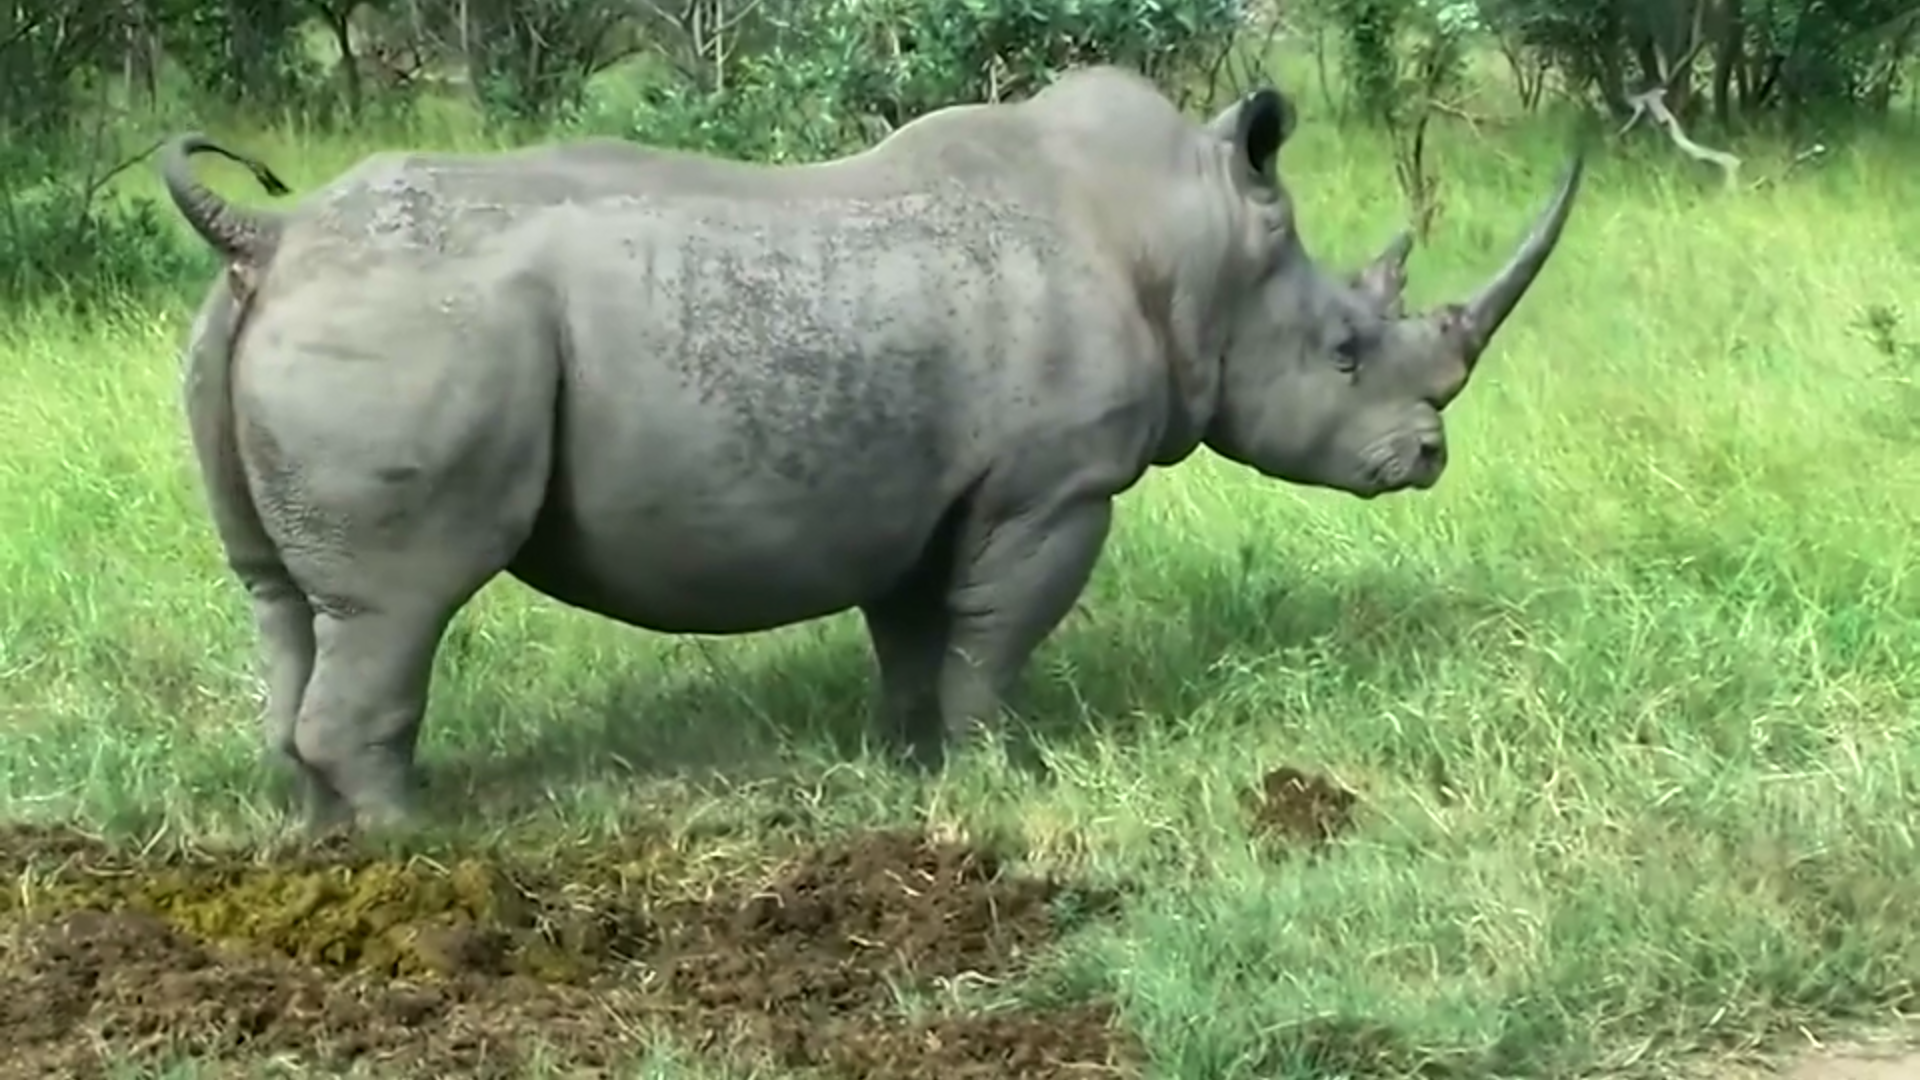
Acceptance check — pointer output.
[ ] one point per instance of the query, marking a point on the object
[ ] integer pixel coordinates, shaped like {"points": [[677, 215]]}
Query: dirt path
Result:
{"points": [[1889, 1057], [1857, 1064]]}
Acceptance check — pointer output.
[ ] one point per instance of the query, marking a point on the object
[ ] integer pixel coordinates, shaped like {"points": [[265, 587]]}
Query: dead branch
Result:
{"points": [[1474, 121], [1653, 103], [1417, 181], [1805, 157]]}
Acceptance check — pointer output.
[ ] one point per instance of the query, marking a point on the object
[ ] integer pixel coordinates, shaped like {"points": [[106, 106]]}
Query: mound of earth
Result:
{"points": [[472, 968], [1299, 807]]}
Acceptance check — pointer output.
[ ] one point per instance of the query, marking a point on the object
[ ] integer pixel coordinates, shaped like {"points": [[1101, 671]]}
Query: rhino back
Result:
{"points": [[450, 203]]}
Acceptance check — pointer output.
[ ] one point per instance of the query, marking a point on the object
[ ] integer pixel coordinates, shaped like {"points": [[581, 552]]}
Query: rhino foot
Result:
{"points": [[323, 813]]}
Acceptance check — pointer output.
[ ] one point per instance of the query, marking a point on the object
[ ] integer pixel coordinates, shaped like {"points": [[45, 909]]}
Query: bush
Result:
{"points": [[835, 75], [61, 239]]}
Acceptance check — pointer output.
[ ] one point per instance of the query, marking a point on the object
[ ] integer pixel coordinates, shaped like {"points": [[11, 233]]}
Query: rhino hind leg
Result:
{"points": [[284, 620], [396, 470], [1015, 580], [382, 604], [360, 718], [909, 629]]}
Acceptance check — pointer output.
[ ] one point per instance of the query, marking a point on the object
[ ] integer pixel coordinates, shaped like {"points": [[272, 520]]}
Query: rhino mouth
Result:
{"points": [[1403, 464], [1399, 480]]}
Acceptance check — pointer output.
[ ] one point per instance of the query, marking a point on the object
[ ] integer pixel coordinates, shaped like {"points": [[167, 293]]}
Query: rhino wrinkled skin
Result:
{"points": [[704, 396]]}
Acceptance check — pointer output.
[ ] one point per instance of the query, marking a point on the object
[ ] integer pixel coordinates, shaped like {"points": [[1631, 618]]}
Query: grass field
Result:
{"points": [[1628, 702]]}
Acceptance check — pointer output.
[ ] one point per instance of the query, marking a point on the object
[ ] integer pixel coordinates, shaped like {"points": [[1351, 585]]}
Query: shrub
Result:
{"points": [[63, 239], [832, 76]]}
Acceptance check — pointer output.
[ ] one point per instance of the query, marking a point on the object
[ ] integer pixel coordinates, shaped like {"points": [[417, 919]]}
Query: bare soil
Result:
{"points": [[1893, 1056], [1857, 1066], [331, 958]]}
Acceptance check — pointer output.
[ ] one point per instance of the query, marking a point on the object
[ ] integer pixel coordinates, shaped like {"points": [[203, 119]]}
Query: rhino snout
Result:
{"points": [[1429, 458], [1412, 459]]}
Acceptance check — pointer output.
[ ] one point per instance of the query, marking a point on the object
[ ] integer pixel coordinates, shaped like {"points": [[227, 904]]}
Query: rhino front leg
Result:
{"points": [[1014, 582]]}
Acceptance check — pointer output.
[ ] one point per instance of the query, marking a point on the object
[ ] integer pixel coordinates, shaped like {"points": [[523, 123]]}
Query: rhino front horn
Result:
{"points": [[1482, 316]]}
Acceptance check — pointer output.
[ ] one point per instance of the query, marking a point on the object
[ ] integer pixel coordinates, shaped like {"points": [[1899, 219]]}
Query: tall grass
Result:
{"points": [[1629, 698]]}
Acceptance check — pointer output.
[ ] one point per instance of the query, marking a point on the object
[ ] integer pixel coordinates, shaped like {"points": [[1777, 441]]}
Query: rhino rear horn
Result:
{"points": [[1385, 277]]}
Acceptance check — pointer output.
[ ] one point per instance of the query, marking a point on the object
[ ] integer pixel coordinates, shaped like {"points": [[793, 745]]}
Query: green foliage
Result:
{"points": [[977, 49], [1794, 58], [1834, 51], [58, 236], [531, 59], [1403, 57], [242, 52], [834, 76], [1369, 28], [46, 50], [62, 240]]}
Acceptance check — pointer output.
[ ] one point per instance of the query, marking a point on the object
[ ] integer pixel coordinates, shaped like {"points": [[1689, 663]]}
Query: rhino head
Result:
{"points": [[1324, 380]]}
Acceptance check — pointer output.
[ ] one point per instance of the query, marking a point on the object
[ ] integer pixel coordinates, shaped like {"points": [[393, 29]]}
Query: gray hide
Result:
{"points": [[704, 396]]}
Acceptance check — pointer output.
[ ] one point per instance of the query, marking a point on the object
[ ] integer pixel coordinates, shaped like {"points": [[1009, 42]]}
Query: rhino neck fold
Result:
{"points": [[1177, 315]]}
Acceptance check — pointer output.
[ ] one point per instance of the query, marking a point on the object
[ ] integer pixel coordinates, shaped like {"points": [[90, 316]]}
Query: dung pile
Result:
{"points": [[1299, 808], [468, 968], [393, 920]]}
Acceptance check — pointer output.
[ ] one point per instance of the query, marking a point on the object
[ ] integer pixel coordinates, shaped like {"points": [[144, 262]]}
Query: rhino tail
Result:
{"points": [[245, 237]]}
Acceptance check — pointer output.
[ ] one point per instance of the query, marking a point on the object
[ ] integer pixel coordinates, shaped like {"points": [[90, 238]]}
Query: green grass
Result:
{"points": [[1629, 697]]}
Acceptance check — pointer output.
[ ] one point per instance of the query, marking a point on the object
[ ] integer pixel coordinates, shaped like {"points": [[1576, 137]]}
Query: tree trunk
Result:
{"points": [[340, 18], [1729, 36], [466, 48], [246, 52]]}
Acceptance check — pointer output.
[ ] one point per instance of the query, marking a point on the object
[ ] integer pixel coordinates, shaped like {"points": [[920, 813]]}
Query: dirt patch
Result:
{"points": [[1890, 1055], [1299, 808], [467, 967], [1857, 1067]]}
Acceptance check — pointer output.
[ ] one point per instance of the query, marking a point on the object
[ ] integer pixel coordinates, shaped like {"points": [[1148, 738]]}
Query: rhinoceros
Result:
{"points": [[707, 396]]}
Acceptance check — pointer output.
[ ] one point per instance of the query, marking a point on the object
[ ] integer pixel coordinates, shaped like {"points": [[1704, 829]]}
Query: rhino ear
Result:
{"points": [[1257, 125]]}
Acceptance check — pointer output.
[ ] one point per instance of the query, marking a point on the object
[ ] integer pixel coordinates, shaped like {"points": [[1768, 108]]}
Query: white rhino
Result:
{"points": [[705, 396]]}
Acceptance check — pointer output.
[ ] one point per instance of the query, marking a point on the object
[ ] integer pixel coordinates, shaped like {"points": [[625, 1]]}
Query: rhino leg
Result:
{"points": [[398, 461], [285, 623], [1015, 580], [281, 614], [360, 718], [382, 606], [909, 629]]}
